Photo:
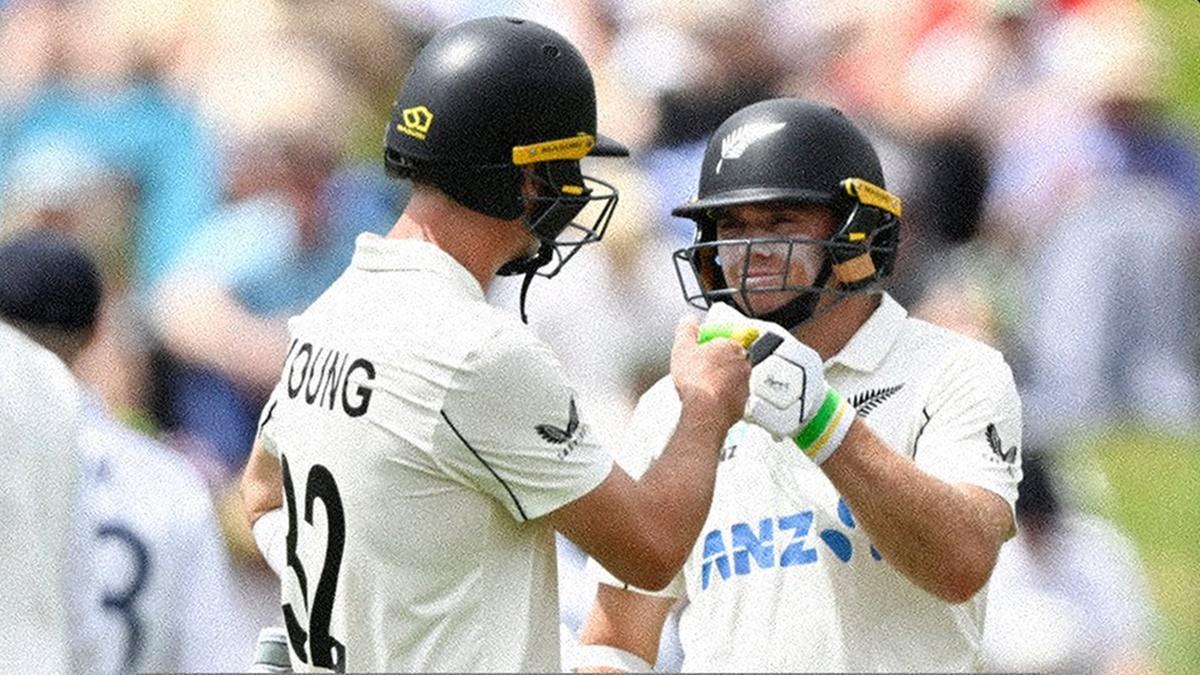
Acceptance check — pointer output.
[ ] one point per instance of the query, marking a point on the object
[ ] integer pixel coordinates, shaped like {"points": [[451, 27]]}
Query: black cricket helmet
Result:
{"points": [[486, 104], [790, 151]]}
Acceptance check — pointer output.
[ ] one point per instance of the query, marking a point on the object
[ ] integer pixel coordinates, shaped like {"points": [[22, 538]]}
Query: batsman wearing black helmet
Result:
{"points": [[861, 503], [422, 447]]}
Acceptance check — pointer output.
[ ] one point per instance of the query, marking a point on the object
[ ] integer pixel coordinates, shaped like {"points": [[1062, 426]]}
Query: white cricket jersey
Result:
{"points": [[422, 432], [39, 426], [782, 577], [153, 592]]}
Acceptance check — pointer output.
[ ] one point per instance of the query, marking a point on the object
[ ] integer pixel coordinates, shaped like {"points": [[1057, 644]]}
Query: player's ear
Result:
{"points": [[529, 190]]}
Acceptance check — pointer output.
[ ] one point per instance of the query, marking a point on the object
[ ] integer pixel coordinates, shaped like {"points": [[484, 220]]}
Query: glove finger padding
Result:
{"points": [[785, 390], [763, 347], [723, 313], [790, 399]]}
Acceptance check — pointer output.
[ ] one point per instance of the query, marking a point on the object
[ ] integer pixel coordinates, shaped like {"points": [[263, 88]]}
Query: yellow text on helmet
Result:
{"points": [[872, 195], [575, 147]]}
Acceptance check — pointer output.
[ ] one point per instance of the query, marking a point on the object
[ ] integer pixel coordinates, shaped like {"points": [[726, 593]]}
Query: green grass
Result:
{"points": [[1149, 484], [1153, 482], [1177, 25]]}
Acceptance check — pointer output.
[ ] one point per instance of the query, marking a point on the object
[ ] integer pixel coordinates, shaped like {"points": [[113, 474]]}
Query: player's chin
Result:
{"points": [[759, 303]]}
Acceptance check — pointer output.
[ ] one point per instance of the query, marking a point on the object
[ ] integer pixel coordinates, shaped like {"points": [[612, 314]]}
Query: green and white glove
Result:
{"points": [[788, 393]]}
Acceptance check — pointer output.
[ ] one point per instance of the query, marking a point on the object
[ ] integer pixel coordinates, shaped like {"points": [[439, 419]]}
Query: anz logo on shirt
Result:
{"points": [[781, 541]]}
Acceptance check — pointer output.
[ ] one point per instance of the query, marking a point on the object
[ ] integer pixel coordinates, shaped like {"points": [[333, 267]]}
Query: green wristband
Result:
{"points": [[817, 425]]}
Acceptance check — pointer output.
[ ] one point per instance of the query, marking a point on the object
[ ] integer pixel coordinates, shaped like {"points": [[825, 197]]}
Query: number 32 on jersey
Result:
{"points": [[308, 626]]}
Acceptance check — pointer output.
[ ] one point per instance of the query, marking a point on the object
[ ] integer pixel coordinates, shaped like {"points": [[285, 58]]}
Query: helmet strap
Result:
{"points": [[528, 264], [528, 267]]}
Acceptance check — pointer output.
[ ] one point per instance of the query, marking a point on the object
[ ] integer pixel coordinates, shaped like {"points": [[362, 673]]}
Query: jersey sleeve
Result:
{"points": [[263, 431], [265, 437], [972, 432], [644, 440], [513, 429], [39, 430]]}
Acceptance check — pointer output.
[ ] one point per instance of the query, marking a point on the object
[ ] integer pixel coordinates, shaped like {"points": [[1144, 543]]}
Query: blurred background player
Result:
{"points": [[867, 542], [1069, 593], [422, 446], [39, 428], [150, 586]]}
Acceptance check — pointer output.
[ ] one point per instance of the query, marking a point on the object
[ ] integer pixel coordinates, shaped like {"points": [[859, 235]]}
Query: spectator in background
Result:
{"points": [[1086, 246], [100, 99], [1069, 592], [1112, 321], [1110, 334], [965, 279], [57, 189], [369, 48], [1087, 104], [150, 588], [945, 210], [717, 63], [25, 31], [285, 233], [1109, 61]]}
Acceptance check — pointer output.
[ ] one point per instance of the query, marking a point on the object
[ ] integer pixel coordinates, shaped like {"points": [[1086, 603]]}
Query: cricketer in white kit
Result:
{"points": [[783, 577], [153, 591]]}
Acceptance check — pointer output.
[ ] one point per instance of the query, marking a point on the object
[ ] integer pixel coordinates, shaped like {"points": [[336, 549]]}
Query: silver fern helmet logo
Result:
{"points": [[733, 145]]}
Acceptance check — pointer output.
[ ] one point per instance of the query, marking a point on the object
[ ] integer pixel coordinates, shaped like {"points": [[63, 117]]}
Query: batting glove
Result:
{"points": [[788, 393]]}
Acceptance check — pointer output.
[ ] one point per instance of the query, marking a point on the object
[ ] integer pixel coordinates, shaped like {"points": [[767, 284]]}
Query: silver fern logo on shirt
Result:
{"points": [[569, 438], [733, 145], [867, 401]]}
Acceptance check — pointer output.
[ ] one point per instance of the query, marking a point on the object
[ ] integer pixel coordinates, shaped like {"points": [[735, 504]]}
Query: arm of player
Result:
{"points": [[621, 621], [944, 537], [262, 483], [642, 531], [940, 516], [262, 497], [941, 523]]}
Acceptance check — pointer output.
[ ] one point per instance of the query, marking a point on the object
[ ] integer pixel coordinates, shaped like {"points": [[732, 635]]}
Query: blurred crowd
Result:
{"points": [[216, 160]]}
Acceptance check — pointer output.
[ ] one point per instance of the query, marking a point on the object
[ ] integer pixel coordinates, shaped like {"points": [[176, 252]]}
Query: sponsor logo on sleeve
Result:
{"points": [[568, 438]]}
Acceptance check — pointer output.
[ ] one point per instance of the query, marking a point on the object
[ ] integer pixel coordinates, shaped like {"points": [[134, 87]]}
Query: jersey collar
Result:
{"points": [[375, 253], [872, 342]]}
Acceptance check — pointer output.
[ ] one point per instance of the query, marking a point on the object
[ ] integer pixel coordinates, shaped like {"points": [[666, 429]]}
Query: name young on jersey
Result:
{"points": [[328, 378]]}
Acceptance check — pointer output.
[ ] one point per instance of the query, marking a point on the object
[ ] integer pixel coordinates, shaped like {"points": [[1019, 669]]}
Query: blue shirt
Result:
{"points": [[142, 132]]}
